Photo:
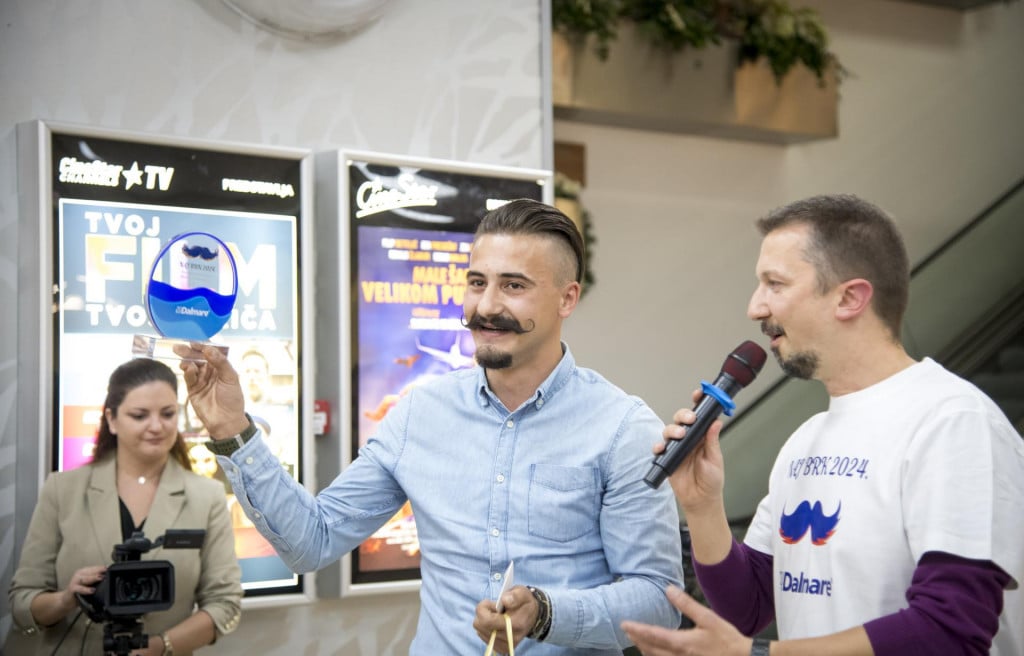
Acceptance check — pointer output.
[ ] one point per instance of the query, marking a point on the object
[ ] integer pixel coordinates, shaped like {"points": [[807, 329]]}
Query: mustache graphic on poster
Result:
{"points": [[191, 291]]}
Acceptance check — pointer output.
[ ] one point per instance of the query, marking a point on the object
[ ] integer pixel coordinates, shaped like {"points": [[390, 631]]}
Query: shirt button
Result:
{"points": [[495, 532], [540, 402], [500, 478], [496, 576], [249, 460], [510, 423], [256, 515]]}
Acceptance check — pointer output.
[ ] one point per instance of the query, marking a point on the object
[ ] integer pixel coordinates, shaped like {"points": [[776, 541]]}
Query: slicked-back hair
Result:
{"points": [[529, 217], [124, 379], [852, 238]]}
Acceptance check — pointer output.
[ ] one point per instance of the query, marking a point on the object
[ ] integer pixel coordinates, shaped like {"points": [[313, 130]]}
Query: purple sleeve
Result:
{"points": [[740, 588], [954, 609]]}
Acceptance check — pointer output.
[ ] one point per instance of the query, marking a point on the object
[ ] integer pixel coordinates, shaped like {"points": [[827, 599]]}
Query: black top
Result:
{"points": [[127, 528]]}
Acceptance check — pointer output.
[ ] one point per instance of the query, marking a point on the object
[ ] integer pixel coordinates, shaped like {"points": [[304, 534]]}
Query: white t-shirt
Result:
{"points": [[922, 461]]}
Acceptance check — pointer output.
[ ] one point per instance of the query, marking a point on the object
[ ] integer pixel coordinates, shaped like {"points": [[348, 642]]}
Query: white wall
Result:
{"points": [[930, 129], [445, 79], [442, 79]]}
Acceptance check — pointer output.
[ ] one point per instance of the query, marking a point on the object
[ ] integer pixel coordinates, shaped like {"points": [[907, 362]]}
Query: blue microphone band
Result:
{"points": [[724, 400]]}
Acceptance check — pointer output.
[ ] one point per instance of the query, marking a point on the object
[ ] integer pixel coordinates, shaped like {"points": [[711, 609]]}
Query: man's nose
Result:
{"points": [[757, 309], [490, 303]]}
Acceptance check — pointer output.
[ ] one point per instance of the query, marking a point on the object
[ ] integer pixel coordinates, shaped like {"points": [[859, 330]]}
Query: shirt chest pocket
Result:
{"points": [[564, 502]]}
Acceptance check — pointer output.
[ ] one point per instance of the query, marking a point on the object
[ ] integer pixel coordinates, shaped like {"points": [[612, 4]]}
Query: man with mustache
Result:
{"points": [[525, 458], [892, 522]]}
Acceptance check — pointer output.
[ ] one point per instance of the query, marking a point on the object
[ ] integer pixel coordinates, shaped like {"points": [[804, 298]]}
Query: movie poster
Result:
{"points": [[118, 204], [411, 230], [414, 279]]}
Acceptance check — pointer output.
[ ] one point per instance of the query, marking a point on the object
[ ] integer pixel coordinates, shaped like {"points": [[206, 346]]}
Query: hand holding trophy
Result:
{"points": [[191, 291], [213, 389]]}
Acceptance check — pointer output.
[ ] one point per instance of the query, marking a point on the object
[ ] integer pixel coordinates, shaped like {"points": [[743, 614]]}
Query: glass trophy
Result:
{"points": [[189, 297]]}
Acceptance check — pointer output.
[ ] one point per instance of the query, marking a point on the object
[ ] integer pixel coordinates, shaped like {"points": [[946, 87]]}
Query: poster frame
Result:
{"points": [[40, 294], [333, 171]]}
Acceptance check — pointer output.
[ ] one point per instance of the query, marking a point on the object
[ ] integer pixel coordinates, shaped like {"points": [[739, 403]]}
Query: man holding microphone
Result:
{"points": [[892, 522]]}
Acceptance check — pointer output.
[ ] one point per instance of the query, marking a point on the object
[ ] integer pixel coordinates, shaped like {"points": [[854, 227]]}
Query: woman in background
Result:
{"points": [[140, 479]]}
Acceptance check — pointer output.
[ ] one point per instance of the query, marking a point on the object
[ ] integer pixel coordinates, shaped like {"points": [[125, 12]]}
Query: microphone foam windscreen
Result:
{"points": [[745, 362]]}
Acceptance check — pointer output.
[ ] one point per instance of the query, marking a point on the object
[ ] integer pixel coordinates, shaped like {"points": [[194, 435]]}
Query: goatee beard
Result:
{"points": [[490, 358], [802, 365]]}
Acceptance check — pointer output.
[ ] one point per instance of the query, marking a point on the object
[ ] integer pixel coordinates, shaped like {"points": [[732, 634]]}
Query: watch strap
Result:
{"points": [[229, 445], [760, 647]]}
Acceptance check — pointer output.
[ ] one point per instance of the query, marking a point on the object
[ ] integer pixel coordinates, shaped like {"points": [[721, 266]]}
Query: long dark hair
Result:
{"points": [[124, 379]]}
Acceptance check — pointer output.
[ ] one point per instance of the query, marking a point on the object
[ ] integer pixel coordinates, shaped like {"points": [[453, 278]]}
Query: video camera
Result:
{"points": [[132, 587]]}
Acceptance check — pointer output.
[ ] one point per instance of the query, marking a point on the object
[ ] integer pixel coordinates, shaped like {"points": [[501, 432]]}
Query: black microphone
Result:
{"points": [[738, 371]]}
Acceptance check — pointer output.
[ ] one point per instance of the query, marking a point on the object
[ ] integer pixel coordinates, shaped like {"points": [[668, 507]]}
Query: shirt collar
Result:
{"points": [[555, 381]]}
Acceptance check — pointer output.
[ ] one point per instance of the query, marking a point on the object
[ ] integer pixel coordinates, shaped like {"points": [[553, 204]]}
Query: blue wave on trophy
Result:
{"points": [[188, 313]]}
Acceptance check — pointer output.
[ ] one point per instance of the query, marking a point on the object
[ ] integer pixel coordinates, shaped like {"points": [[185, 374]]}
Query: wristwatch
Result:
{"points": [[760, 647], [229, 445], [168, 648]]}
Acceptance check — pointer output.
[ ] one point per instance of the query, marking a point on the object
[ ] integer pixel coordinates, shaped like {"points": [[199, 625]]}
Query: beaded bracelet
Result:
{"points": [[542, 626]]}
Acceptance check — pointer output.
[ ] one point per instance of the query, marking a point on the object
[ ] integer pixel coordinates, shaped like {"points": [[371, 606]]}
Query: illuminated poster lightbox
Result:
{"points": [[408, 225], [117, 200]]}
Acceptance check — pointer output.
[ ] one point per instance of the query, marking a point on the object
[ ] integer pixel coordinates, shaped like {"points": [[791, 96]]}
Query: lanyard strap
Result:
{"points": [[508, 634]]}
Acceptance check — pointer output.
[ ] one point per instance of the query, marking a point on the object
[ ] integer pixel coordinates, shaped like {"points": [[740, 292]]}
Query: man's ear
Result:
{"points": [[854, 298], [570, 297]]}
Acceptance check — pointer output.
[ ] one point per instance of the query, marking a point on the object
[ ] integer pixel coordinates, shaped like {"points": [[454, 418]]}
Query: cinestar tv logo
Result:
{"points": [[800, 583], [97, 173]]}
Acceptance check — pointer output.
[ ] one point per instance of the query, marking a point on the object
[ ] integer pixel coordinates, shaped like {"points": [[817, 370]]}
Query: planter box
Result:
{"points": [[693, 92]]}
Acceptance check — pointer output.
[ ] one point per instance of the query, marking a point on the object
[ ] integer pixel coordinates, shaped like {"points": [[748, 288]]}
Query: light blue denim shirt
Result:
{"points": [[555, 485]]}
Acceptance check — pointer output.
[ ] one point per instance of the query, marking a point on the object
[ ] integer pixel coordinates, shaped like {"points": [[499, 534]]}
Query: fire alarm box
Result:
{"points": [[321, 417]]}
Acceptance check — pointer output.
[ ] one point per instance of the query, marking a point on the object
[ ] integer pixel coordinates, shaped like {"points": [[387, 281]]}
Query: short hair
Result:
{"points": [[124, 379], [530, 217], [852, 238]]}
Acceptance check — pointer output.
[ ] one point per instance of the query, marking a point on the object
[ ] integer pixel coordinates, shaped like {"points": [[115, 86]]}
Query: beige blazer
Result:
{"points": [[76, 523]]}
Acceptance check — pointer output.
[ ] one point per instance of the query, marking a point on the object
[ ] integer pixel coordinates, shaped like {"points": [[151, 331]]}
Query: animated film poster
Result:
{"points": [[412, 230], [106, 249]]}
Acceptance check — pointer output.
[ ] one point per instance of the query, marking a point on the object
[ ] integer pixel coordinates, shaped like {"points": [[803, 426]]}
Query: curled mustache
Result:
{"points": [[497, 322]]}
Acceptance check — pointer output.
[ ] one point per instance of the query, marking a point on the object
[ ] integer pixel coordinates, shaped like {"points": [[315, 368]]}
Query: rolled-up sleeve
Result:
{"points": [[640, 535]]}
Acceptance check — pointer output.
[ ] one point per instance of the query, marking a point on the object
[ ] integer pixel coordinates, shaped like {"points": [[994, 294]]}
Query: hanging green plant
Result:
{"points": [[784, 37], [675, 25], [771, 29], [580, 18]]}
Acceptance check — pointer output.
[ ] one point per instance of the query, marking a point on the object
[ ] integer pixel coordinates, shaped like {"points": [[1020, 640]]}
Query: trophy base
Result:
{"points": [[170, 348]]}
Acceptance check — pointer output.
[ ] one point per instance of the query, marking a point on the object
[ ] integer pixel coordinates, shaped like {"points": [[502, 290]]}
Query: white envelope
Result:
{"points": [[505, 586]]}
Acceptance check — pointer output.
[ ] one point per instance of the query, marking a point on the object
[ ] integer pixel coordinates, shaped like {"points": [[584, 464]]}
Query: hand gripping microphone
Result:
{"points": [[738, 370]]}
